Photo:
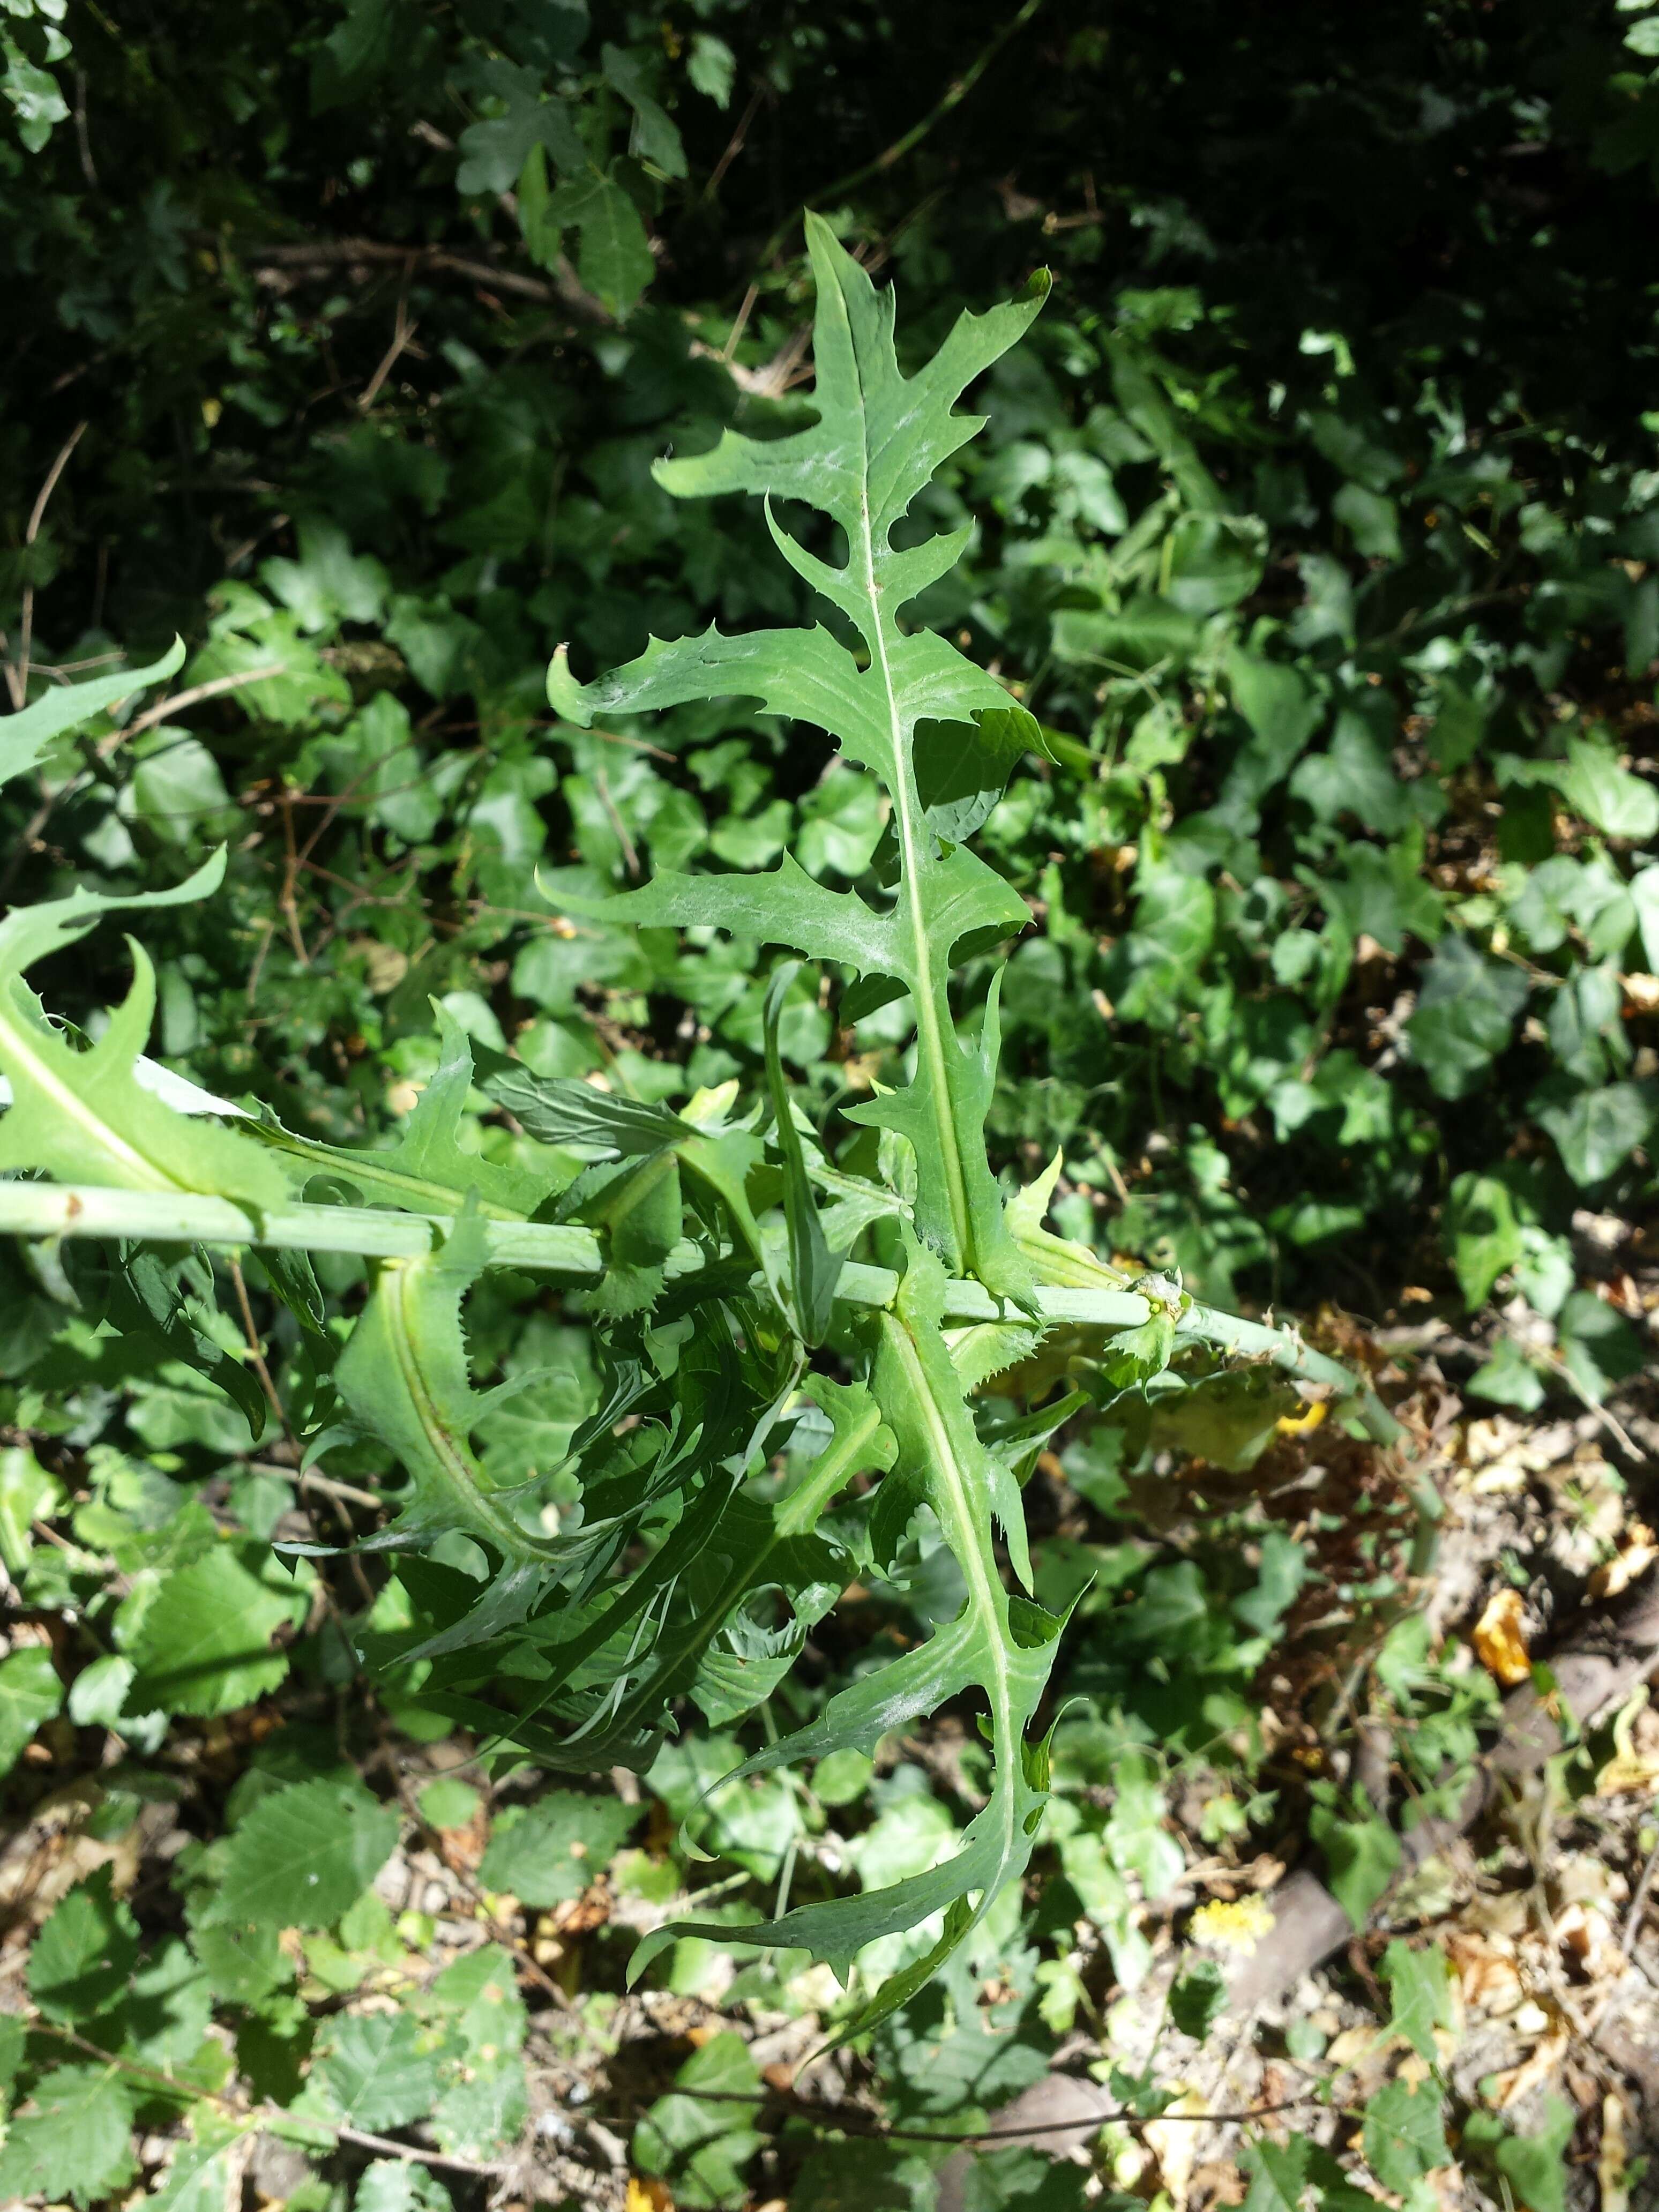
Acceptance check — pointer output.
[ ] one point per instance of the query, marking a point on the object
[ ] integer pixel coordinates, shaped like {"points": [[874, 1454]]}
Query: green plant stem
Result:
{"points": [[53, 1210], [935, 1031]]}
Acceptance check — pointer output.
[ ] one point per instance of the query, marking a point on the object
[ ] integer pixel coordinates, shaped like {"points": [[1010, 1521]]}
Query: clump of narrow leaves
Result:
{"points": [[768, 1293]]}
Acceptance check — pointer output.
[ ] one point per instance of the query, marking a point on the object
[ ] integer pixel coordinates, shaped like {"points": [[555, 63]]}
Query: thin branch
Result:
{"points": [[735, 144], [308, 1478], [18, 677], [166, 708], [316, 256], [403, 340], [417, 2154]]}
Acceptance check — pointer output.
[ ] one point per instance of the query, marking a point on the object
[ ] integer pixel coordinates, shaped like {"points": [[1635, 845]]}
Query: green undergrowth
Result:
{"points": [[1215, 804]]}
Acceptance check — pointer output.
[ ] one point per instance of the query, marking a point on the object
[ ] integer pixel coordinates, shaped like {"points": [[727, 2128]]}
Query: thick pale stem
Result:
{"points": [[51, 1210]]}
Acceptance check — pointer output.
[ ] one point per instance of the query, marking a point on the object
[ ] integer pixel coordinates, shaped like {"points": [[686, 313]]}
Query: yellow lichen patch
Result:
{"points": [[1236, 1926]]}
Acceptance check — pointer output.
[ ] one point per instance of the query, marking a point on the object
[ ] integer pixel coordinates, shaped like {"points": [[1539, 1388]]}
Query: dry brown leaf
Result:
{"points": [[1613, 2163], [1638, 1549], [1218, 2185], [1588, 1943], [1174, 2143], [1519, 2081], [1500, 1639], [579, 1916], [1488, 1979]]}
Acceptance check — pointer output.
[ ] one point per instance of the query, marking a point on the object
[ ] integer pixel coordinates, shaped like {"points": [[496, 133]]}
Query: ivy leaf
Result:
{"points": [[655, 135], [1198, 2000], [84, 1958], [1361, 1853], [1173, 927], [1282, 1572], [302, 1855], [26, 736], [1598, 1345], [551, 1851], [1607, 796], [613, 253], [1644, 893], [1382, 893], [1136, 1836], [1484, 1231], [1509, 1378], [962, 770], [494, 152], [1465, 1016], [1283, 708], [76, 2141], [1597, 1131]]}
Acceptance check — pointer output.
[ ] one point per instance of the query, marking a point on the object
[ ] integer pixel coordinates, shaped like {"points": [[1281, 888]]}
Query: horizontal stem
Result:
{"points": [[48, 1209]]}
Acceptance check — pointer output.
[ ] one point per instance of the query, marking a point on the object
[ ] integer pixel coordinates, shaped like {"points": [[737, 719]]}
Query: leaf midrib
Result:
{"points": [[77, 1109], [455, 1470], [986, 1594], [929, 1029]]}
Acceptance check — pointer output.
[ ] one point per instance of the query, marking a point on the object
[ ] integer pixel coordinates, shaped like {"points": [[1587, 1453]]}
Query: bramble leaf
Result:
{"points": [[31, 1690], [546, 1852], [302, 1855], [81, 1960], [203, 1645], [75, 2141]]}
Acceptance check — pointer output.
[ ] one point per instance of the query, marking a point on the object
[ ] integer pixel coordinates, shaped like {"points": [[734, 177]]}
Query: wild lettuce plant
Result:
{"points": [[768, 1294]]}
